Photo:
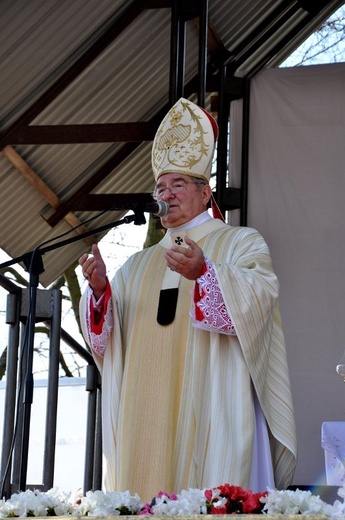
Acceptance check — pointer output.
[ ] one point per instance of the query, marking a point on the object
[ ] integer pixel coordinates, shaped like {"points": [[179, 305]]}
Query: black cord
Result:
{"points": [[91, 219]]}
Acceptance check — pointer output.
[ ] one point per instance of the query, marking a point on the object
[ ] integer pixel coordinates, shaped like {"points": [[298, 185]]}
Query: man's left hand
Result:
{"points": [[188, 261]]}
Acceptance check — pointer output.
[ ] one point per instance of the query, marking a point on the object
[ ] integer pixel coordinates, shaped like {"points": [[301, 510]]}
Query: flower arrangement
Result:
{"points": [[224, 499]]}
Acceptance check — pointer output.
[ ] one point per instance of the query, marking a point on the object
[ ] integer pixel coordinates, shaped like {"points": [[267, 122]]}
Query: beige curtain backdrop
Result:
{"points": [[297, 201]]}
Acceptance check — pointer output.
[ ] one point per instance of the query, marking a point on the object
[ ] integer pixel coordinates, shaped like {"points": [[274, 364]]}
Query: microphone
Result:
{"points": [[159, 208]]}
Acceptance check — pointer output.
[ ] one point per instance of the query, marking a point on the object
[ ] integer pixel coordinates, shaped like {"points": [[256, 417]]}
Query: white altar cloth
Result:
{"points": [[333, 443]]}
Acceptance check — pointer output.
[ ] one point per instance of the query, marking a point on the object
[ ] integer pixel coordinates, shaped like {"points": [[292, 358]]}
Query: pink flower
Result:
{"points": [[146, 510], [208, 495], [171, 496]]}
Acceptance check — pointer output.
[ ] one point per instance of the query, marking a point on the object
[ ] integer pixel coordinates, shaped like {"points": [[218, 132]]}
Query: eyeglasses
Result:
{"points": [[176, 187]]}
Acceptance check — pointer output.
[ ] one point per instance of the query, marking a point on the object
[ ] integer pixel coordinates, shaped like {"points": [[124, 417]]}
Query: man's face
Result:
{"points": [[186, 199]]}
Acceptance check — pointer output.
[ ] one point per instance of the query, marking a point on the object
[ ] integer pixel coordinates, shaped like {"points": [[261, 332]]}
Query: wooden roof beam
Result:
{"points": [[28, 173]]}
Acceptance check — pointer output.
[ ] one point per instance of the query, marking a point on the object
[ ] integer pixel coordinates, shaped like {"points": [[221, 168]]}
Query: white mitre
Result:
{"points": [[185, 142]]}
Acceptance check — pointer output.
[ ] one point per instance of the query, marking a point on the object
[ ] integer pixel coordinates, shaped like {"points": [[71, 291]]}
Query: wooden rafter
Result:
{"points": [[31, 176]]}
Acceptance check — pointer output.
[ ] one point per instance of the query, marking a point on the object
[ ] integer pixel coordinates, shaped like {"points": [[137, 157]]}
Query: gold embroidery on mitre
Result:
{"points": [[182, 145]]}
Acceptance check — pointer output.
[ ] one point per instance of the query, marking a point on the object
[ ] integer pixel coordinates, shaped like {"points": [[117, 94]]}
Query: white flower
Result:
{"points": [[188, 502], [299, 502], [341, 491], [36, 503], [98, 503]]}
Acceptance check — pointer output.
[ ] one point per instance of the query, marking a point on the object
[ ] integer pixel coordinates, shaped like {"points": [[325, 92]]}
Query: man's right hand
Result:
{"points": [[94, 270]]}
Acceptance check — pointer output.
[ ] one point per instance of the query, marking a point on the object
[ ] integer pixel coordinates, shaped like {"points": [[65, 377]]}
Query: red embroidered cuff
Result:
{"points": [[98, 310], [199, 293]]}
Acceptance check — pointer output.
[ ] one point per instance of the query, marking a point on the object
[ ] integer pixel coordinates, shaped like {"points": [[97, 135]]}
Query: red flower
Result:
{"points": [[231, 500], [218, 510], [235, 493], [238, 500], [253, 504]]}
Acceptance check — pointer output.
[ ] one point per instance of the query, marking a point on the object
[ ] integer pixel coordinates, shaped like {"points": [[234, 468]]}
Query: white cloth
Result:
{"points": [[333, 442], [296, 201]]}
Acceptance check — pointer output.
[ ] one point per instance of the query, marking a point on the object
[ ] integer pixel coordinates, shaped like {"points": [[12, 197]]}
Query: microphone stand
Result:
{"points": [[34, 265]]}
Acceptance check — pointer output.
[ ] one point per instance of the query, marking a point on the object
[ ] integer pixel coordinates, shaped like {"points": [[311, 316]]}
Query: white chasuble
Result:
{"points": [[178, 401]]}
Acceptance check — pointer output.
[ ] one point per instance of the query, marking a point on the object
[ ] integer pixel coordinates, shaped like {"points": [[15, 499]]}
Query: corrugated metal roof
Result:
{"points": [[127, 82]]}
